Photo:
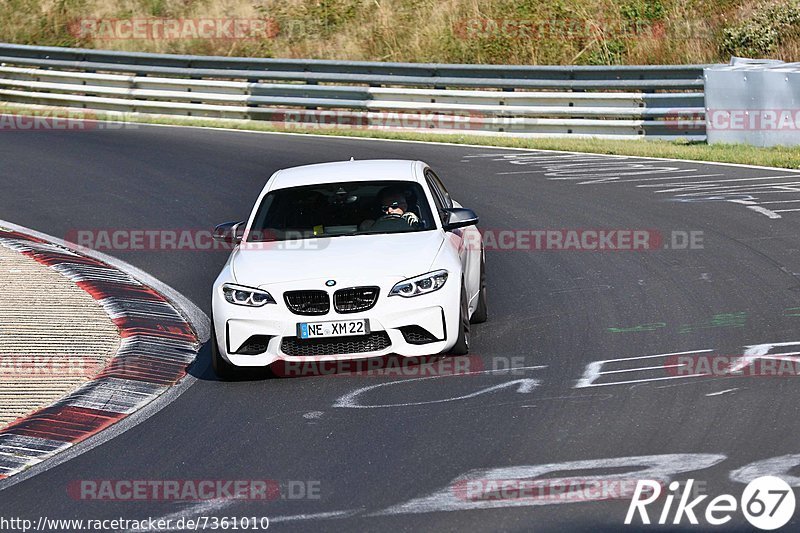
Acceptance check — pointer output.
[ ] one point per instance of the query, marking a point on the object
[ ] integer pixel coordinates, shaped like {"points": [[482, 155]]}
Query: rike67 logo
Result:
{"points": [[767, 503]]}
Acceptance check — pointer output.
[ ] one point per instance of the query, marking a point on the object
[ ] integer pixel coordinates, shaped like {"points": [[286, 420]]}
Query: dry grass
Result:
{"points": [[470, 31]]}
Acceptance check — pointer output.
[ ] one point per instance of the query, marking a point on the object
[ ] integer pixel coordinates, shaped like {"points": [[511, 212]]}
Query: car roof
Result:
{"points": [[342, 171]]}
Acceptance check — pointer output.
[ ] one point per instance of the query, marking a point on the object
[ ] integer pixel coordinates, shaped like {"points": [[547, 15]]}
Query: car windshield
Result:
{"points": [[338, 209]]}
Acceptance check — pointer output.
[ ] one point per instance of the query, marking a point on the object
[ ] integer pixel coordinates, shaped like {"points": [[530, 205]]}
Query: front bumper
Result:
{"points": [[395, 325]]}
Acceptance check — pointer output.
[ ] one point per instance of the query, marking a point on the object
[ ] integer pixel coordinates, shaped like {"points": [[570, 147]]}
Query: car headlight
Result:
{"points": [[424, 284], [248, 296]]}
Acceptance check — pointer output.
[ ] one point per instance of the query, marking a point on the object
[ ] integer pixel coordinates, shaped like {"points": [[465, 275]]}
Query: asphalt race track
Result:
{"points": [[552, 314]]}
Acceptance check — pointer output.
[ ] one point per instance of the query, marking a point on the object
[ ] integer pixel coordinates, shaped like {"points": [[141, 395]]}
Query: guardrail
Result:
{"points": [[753, 101], [611, 102]]}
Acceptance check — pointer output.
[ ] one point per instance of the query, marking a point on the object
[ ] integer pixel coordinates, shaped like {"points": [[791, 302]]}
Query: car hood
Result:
{"points": [[401, 255]]}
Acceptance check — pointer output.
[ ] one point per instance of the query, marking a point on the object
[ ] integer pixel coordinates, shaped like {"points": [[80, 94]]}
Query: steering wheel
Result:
{"points": [[390, 223]]}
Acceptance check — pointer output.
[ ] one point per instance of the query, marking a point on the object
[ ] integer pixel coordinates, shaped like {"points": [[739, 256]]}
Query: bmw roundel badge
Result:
{"points": [[330, 283]]}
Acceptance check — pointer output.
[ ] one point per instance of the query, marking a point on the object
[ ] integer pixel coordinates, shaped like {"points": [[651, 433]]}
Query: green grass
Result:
{"points": [[779, 157]]}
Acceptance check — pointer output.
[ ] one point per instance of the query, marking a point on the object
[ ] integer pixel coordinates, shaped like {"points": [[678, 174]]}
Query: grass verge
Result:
{"points": [[779, 156]]}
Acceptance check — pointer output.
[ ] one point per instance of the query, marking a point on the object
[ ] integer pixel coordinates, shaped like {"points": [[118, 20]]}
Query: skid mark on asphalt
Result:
{"points": [[479, 488], [203, 513], [720, 393], [526, 485], [608, 170], [522, 386], [316, 516], [192, 512]]}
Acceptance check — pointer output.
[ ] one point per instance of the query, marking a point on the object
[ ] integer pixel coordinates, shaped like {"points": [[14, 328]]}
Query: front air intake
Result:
{"points": [[256, 344]]}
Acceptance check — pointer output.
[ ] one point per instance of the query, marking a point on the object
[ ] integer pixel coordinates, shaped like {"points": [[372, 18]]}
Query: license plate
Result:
{"points": [[338, 328]]}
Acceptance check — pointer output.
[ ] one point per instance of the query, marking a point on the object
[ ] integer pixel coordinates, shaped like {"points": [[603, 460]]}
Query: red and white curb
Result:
{"points": [[158, 344]]}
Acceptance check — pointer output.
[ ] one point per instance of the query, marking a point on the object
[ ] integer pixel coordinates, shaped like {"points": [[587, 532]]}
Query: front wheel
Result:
{"points": [[461, 347]]}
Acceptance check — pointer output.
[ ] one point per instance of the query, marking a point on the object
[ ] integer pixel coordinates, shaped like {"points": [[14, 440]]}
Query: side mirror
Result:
{"points": [[459, 217], [229, 232]]}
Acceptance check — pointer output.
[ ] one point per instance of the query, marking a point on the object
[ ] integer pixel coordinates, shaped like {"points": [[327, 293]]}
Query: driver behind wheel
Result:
{"points": [[394, 206]]}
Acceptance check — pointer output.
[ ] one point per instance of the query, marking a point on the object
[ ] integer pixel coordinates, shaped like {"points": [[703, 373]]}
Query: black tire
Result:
{"points": [[222, 368], [461, 347], [481, 313]]}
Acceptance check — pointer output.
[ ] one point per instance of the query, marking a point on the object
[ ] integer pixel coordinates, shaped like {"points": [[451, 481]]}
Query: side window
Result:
{"points": [[448, 202], [437, 198]]}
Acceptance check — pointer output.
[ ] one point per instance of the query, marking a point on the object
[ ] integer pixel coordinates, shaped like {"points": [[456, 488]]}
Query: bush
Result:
{"points": [[761, 35]]}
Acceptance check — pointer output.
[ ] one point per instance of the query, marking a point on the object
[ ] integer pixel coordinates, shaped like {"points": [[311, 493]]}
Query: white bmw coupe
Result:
{"points": [[348, 260]]}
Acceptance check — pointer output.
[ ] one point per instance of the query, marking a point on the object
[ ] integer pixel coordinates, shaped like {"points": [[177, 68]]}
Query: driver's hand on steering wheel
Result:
{"points": [[411, 219]]}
